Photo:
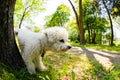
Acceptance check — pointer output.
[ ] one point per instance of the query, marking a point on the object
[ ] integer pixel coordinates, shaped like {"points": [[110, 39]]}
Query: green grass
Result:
{"points": [[65, 66], [99, 47], [104, 47]]}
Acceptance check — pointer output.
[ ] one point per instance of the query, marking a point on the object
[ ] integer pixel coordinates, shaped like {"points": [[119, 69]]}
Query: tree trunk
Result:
{"points": [[79, 21], [100, 37], [94, 36], [81, 28], [111, 25], [9, 53]]}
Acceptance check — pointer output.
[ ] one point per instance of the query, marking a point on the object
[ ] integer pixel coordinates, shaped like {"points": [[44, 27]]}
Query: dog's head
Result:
{"points": [[57, 39]]}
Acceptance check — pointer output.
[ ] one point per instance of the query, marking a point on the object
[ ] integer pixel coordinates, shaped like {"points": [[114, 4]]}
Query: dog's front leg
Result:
{"points": [[40, 64]]}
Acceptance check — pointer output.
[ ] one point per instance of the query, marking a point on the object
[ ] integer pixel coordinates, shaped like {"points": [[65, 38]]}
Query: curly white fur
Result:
{"points": [[34, 45]]}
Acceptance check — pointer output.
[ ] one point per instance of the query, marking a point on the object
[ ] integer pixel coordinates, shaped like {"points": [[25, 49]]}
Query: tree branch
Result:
{"points": [[76, 15], [25, 10]]}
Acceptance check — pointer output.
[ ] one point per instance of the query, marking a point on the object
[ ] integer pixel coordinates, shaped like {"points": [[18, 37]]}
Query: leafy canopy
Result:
{"points": [[59, 18], [28, 8]]}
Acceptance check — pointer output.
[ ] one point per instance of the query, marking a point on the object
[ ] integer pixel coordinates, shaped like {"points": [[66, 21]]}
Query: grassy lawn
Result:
{"points": [[99, 47], [104, 47], [67, 66]]}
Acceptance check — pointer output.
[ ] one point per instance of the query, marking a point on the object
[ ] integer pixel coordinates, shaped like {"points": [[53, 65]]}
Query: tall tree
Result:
{"points": [[111, 24], [9, 53], [79, 20]]}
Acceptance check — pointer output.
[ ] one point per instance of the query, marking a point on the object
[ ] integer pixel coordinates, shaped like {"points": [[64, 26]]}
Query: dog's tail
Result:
{"points": [[16, 30]]}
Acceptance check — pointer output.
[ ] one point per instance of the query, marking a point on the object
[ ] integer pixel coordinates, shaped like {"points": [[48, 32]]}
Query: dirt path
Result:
{"points": [[105, 58]]}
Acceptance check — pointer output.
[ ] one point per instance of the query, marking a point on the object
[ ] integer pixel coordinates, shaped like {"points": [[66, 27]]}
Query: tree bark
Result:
{"points": [[79, 21], [81, 27], [111, 25], [94, 36], [9, 53], [75, 12]]}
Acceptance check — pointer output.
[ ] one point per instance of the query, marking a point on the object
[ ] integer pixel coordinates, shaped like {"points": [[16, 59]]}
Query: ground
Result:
{"points": [[85, 64], [79, 63], [106, 58]]}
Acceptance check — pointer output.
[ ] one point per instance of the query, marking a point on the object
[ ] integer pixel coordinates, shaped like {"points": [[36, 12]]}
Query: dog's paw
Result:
{"points": [[32, 72], [43, 68]]}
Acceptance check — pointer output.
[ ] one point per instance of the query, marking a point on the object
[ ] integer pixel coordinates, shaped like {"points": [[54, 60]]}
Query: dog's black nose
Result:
{"points": [[69, 47]]}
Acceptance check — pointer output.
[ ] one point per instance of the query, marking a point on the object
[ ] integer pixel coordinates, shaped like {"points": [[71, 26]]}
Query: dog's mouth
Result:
{"points": [[61, 50], [68, 48], [64, 50]]}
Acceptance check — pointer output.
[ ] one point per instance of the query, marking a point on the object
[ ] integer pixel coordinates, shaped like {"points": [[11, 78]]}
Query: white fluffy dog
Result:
{"points": [[34, 45]]}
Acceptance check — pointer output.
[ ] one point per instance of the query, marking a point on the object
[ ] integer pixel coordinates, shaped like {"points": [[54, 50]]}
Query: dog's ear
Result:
{"points": [[46, 35], [50, 37]]}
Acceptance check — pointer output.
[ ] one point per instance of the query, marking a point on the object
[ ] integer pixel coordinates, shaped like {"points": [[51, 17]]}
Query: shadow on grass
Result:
{"points": [[111, 58], [104, 65]]}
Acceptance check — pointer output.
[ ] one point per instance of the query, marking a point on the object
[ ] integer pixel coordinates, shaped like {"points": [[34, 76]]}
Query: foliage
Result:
{"points": [[73, 31], [94, 24], [26, 9], [36, 29], [73, 75], [106, 7], [59, 18], [116, 9], [99, 47]]}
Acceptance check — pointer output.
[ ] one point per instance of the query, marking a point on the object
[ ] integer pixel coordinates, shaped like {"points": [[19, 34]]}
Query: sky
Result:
{"points": [[51, 7]]}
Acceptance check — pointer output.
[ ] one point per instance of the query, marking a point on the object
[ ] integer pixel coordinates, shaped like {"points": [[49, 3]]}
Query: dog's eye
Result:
{"points": [[62, 40]]}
